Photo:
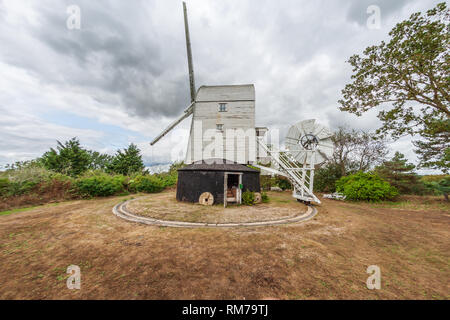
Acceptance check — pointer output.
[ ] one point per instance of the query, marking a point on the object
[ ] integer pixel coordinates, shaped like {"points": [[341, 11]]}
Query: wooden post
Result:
{"points": [[239, 191], [225, 189], [189, 54]]}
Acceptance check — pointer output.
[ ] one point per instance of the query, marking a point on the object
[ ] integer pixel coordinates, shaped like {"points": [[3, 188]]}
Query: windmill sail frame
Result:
{"points": [[190, 109]]}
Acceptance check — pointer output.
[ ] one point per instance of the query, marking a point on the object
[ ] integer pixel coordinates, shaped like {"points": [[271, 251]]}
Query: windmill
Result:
{"points": [[228, 112]]}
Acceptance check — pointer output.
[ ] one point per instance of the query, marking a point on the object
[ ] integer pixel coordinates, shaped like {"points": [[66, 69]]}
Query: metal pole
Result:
{"points": [[189, 54]]}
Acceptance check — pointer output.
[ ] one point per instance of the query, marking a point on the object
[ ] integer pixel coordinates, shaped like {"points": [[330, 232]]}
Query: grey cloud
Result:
{"points": [[357, 10], [132, 55], [114, 54]]}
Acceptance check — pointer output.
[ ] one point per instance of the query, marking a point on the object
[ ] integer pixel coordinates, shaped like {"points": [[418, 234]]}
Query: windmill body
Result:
{"points": [[226, 113]]}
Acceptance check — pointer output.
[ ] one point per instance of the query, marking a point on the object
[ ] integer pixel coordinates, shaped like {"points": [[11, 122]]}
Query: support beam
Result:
{"points": [[185, 114]]}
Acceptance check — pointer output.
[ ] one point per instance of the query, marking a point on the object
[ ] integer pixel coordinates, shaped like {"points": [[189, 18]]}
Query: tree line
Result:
{"points": [[359, 151], [71, 159]]}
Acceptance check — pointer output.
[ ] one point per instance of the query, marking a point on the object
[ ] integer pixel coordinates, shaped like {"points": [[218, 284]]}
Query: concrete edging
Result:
{"points": [[120, 211]]}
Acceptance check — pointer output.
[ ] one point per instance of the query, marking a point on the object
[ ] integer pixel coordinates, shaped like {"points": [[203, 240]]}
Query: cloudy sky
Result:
{"points": [[122, 77]]}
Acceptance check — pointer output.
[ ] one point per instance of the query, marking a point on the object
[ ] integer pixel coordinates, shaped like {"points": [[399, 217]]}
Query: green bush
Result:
{"points": [[266, 182], [264, 197], [100, 185], [169, 179], [29, 180], [325, 178], [365, 186], [248, 198], [440, 187], [4, 184], [283, 183], [32, 173], [13, 188], [146, 183]]}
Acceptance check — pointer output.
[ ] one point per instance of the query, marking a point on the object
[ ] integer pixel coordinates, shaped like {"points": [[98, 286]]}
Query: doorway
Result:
{"points": [[232, 191]]}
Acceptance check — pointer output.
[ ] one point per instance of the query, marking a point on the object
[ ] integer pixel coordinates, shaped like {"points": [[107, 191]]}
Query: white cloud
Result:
{"points": [[127, 66]]}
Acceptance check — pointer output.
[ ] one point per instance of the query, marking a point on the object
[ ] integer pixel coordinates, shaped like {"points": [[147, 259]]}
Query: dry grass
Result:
{"points": [[323, 258], [164, 206], [44, 193]]}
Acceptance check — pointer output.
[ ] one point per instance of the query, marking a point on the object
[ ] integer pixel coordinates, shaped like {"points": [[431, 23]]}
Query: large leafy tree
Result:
{"points": [[434, 149], [68, 158], [354, 151], [127, 161], [357, 150], [409, 77], [400, 174], [99, 161]]}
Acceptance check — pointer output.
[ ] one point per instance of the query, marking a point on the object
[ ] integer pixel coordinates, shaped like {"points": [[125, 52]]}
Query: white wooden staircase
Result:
{"points": [[301, 176]]}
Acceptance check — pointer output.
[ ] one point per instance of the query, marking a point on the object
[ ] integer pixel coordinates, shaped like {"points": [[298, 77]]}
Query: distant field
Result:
{"points": [[324, 258]]}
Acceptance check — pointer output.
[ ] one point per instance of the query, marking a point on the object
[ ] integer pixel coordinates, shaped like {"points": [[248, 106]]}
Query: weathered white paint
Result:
{"points": [[237, 139], [238, 135]]}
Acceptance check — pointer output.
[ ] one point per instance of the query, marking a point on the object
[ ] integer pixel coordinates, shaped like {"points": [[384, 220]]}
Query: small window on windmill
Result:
{"points": [[219, 127], [222, 107]]}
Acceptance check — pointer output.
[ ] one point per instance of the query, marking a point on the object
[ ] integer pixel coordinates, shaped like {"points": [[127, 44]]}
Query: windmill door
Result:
{"points": [[232, 192]]}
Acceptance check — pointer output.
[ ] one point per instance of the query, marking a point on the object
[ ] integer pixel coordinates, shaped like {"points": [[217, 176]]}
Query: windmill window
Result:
{"points": [[219, 126], [222, 107]]}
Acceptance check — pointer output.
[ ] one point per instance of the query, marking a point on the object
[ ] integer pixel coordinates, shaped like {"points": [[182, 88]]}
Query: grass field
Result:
{"points": [[164, 206], [324, 258]]}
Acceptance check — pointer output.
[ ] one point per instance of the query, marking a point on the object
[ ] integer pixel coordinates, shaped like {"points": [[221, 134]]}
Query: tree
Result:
{"points": [[434, 150], [326, 176], [400, 174], [410, 72], [68, 158], [127, 161], [443, 186], [357, 150], [99, 161]]}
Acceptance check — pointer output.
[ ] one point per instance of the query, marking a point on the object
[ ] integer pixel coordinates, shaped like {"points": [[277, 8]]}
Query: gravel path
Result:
{"points": [[121, 211]]}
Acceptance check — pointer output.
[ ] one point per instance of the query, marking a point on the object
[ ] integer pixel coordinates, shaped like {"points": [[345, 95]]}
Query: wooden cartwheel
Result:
{"points": [[206, 199]]}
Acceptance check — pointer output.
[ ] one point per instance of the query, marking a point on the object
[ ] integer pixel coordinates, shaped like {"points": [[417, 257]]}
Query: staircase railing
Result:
{"points": [[301, 176]]}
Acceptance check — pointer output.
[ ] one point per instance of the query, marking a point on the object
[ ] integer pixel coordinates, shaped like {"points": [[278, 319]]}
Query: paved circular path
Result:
{"points": [[121, 211]]}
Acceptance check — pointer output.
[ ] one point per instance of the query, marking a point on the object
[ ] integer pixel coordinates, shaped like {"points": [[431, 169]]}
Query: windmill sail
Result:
{"points": [[190, 109], [189, 54]]}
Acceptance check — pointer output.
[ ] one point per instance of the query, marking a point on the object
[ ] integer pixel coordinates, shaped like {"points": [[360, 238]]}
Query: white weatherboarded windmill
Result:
{"points": [[224, 139]]}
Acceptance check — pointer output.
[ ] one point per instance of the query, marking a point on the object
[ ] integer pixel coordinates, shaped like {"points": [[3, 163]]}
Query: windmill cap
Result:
{"points": [[240, 92]]}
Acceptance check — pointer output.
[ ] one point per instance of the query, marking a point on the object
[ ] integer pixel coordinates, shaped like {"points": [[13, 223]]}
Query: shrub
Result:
{"points": [[440, 187], [365, 186], [100, 185], [4, 184], [169, 179], [325, 178], [248, 198], [264, 197], [12, 188], [31, 173], [146, 183], [59, 186], [283, 183], [266, 182]]}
